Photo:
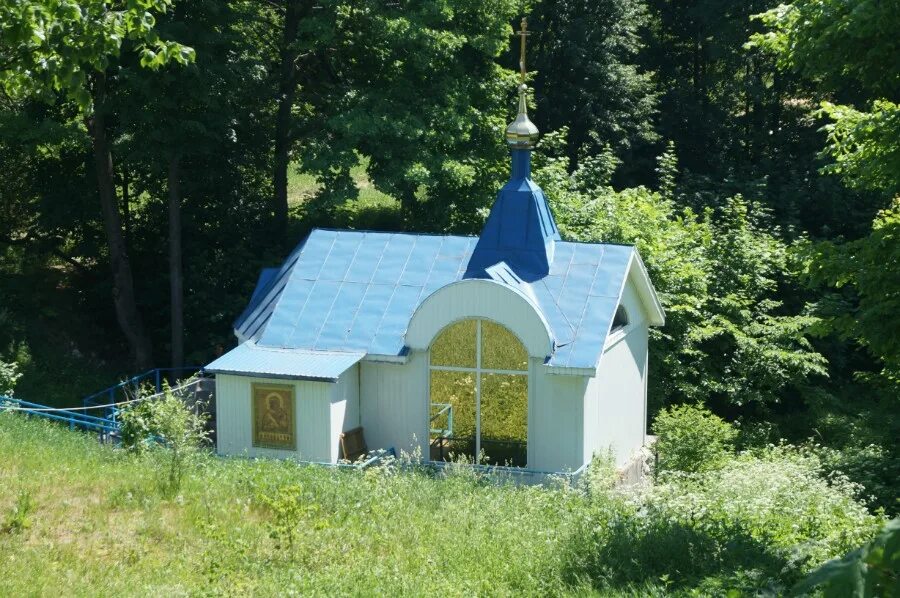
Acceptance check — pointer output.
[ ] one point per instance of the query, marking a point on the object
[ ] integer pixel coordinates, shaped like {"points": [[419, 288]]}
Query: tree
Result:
{"points": [[176, 118], [837, 45], [729, 339], [415, 88], [586, 53], [68, 47], [848, 49]]}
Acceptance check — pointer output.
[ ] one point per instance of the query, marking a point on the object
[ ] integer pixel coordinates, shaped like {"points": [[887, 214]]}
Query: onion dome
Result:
{"points": [[521, 133]]}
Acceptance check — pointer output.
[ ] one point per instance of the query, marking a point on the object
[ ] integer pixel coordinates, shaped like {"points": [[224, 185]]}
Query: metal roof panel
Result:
{"points": [[251, 359]]}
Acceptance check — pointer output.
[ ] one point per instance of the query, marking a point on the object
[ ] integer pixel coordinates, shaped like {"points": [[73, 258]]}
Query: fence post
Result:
{"points": [[158, 387]]}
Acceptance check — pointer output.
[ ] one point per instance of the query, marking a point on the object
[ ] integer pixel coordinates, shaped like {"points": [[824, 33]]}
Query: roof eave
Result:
{"points": [[270, 375], [647, 292]]}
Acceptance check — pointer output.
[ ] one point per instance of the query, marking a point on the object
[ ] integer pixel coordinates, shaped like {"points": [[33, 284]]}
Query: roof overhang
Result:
{"points": [[638, 272], [259, 361]]}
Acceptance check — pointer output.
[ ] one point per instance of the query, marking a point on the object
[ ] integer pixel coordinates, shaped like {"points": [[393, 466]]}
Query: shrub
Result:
{"points": [[761, 520], [168, 423], [9, 375], [690, 439], [872, 570]]}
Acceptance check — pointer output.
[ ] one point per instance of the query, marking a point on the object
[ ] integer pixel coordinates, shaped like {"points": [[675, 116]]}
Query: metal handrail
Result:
{"points": [[72, 418], [108, 394], [448, 408]]}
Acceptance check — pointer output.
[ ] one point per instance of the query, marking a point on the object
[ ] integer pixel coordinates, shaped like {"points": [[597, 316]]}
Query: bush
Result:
{"points": [[721, 275], [872, 570], [167, 423], [691, 439], [761, 520], [9, 375]]}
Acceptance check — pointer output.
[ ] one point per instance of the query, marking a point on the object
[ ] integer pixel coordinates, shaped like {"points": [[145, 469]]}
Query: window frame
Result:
{"points": [[478, 371]]}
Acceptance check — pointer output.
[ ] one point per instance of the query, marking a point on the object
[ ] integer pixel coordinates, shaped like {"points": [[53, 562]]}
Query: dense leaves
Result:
{"points": [[719, 275], [58, 46]]}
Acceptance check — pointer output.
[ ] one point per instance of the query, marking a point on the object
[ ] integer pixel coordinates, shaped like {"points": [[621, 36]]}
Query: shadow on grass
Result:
{"points": [[629, 553]]}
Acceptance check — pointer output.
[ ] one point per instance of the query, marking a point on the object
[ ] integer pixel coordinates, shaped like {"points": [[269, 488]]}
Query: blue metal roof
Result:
{"points": [[251, 359], [354, 292]]}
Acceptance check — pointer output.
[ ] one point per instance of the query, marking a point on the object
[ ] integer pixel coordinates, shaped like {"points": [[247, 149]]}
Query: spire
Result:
{"points": [[520, 231], [521, 133]]}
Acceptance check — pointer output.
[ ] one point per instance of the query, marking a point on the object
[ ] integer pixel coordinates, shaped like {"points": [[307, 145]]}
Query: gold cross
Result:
{"points": [[523, 34]]}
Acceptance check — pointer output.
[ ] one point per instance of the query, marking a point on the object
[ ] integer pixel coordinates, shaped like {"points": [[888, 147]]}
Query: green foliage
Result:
{"points": [[873, 570], [55, 46], [691, 439], [596, 43], [865, 146], [860, 265], [169, 422], [757, 523], [831, 41], [9, 375], [420, 152], [291, 509], [667, 171], [719, 276]]}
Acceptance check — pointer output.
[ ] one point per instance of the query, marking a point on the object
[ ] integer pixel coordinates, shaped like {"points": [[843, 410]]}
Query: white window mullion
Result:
{"points": [[477, 390]]}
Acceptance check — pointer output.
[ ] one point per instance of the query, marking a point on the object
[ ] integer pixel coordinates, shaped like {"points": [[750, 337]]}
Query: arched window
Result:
{"points": [[620, 320], [479, 394]]}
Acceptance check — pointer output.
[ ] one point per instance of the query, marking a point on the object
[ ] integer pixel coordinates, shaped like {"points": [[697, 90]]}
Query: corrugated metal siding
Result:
{"points": [[555, 421], [394, 404], [615, 404], [344, 408], [234, 432]]}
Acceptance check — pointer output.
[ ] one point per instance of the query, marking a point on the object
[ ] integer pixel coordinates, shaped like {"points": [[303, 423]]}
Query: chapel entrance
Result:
{"points": [[479, 394]]}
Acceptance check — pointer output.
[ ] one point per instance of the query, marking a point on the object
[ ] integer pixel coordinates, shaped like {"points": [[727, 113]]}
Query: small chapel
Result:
{"points": [[513, 349]]}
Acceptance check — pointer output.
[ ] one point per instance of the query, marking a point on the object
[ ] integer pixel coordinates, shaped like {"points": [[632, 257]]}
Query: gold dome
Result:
{"points": [[521, 133]]}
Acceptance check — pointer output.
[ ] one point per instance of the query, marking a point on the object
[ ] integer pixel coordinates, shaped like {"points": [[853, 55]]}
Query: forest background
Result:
{"points": [[156, 154]]}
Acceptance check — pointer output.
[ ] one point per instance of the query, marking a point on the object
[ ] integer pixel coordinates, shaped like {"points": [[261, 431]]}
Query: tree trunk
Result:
{"points": [[287, 92], [126, 205], [123, 282], [176, 275]]}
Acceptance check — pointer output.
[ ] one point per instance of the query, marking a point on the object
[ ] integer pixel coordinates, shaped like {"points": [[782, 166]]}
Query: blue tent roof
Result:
{"points": [[356, 291]]}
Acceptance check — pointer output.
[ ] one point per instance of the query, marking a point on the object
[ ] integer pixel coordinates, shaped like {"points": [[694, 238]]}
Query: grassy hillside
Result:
{"points": [[77, 518]]}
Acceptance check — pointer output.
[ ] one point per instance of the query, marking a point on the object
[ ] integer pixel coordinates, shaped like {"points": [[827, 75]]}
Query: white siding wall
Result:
{"points": [[394, 404], [555, 420], [235, 426], [344, 408], [615, 401]]}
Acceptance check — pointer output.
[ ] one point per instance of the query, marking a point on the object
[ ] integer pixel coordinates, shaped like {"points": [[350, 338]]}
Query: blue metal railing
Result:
{"points": [[103, 420], [443, 408], [75, 419], [110, 395]]}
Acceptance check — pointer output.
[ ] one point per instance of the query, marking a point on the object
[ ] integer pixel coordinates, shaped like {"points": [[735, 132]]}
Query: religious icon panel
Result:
{"points": [[273, 417]]}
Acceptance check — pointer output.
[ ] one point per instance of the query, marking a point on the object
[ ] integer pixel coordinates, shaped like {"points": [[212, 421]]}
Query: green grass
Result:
{"points": [[99, 526], [78, 518], [369, 209]]}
